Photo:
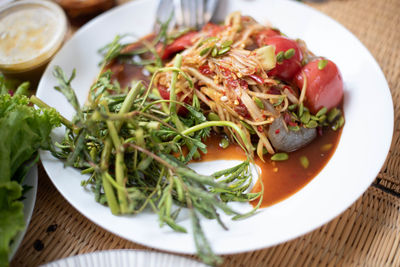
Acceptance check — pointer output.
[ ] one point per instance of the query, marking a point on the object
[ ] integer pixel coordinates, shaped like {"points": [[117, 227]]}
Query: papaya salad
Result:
{"points": [[269, 85], [235, 90], [285, 99]]}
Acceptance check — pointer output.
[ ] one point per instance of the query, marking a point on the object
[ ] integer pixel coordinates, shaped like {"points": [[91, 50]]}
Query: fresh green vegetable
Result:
{"points": [[24, 130], [136, 155]]}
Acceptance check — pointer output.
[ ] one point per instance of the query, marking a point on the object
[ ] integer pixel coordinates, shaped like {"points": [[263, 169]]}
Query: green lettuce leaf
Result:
{"points": [[12, 216], [23, 131]]}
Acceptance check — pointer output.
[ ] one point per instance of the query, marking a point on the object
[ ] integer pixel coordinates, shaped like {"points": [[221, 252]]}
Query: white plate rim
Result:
{"points": [[125, 258], [346, 202]]}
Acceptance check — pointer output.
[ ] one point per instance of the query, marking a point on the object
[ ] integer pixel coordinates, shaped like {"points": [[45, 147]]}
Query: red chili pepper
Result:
{"points": [[287, 118], [277, 131], [231, 81], [257, 78], [260, 129], [205, 70], [320, 132], [197, 86], [242, 110], [226, 72], [243, 83], [274, 91], [292, 123]]}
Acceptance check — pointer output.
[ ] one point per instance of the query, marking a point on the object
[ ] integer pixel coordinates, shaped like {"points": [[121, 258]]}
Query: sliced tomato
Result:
{"points": [[263, 35], [287, 67], [164, 93], [324, 84], [179, 44]]}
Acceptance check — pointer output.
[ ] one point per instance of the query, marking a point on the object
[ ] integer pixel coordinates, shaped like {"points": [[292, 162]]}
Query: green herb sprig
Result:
{"points": [[133, 152]]}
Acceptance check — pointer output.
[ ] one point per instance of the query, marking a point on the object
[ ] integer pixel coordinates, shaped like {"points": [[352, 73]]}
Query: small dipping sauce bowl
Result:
{"points": [[31, 32]]}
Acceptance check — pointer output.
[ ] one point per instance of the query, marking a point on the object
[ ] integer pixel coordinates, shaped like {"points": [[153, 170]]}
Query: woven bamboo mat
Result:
{"points": [[366, 234]]}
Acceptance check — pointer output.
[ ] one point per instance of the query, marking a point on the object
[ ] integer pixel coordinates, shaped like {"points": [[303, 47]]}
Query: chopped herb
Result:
{"points": [[312, 124], [280, 157], [322, 63], [280, 57], [289, 53], [326, 147], [224, 50], [322, 118], [248, 127], [301, 109], [280, 100], [304, 162], [213, 117], [205, 51], [305, 118], [292, 107], [208, 40], [214, 51], [224, 143], [321, 112], [339, 123], [294, 128], [227, 43], [333, 114], [258, 102]]}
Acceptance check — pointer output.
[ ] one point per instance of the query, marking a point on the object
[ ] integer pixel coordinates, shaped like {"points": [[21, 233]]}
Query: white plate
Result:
{"points": [[31, 179], [125, 258], [361, 152]]}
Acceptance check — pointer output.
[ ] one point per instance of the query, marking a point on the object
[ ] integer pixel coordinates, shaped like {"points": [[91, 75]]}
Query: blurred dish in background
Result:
{"points": [[78, 8], [31, 32], [5, 2]]}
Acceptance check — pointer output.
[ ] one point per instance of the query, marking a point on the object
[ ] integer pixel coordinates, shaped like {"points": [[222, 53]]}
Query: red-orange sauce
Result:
{"points": [[281, 179]]}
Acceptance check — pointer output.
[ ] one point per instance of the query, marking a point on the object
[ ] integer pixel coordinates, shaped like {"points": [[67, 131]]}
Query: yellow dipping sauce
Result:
{"points": [[30, 34]]}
